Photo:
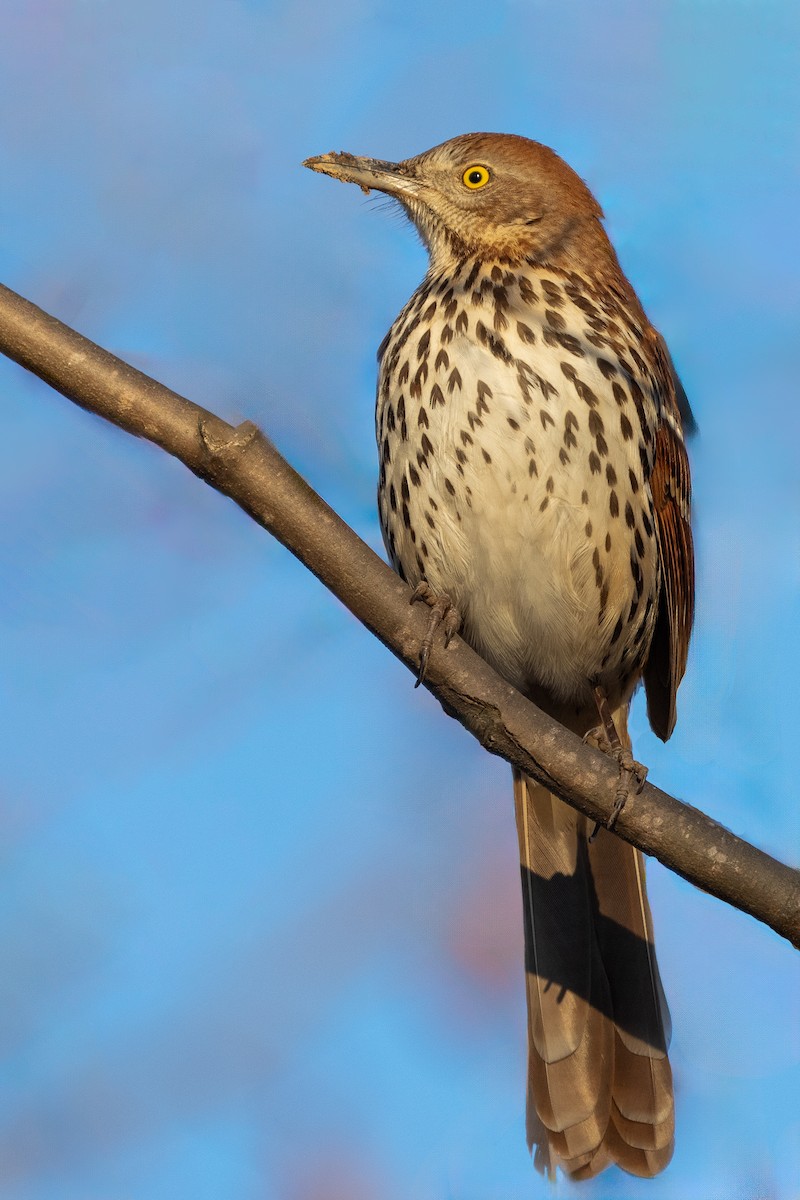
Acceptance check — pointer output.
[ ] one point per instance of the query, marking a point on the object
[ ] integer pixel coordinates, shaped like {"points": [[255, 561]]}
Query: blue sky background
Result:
{"points": [[260, 931]]}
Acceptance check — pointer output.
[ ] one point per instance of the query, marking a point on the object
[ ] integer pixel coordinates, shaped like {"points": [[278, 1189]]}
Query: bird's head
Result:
{"points": [[489, 195]]}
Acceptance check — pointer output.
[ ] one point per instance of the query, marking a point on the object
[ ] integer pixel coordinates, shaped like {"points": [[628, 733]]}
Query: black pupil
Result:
{"points": [[475, 176]]}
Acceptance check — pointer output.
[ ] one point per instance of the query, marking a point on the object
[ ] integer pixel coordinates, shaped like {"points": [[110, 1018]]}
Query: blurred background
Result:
{"points": [[260, 930]]}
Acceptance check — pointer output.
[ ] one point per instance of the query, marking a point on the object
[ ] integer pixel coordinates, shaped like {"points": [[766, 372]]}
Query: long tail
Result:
{"points": [[599, 1080]]}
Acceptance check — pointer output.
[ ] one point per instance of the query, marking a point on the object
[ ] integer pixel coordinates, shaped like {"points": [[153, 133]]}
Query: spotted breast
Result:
{"points": [[516, 426]]}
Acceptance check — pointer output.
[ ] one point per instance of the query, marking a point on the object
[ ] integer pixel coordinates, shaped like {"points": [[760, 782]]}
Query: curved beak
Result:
{"points": [[394, 179]]}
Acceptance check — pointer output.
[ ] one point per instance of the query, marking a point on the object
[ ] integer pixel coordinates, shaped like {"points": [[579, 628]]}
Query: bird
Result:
{"points": [[534, 489]]}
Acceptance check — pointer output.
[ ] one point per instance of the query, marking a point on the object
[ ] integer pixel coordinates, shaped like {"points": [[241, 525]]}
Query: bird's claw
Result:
{"points": [[630, 771], [444, 613], [605, 736]]}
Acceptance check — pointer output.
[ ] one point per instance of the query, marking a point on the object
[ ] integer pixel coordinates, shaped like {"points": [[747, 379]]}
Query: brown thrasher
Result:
{"points": [[534, 479]]}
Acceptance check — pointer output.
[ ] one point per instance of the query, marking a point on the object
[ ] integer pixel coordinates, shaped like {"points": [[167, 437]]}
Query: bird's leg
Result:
{"points": [[629, 770], [444, 613]]}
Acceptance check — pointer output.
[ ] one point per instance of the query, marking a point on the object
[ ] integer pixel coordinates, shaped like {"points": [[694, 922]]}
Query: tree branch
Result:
{"points": [[242, 464]]}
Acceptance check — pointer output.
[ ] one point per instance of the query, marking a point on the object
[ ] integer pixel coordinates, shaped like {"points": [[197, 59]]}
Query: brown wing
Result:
{"points": [[671, 488], [688, 423]]}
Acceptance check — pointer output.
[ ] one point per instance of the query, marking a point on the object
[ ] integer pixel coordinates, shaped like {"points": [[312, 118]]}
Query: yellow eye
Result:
{"points": [[475, 177]]}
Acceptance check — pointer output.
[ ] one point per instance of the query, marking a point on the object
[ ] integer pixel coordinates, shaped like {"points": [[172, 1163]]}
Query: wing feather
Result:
{"points": [[671, 488]]}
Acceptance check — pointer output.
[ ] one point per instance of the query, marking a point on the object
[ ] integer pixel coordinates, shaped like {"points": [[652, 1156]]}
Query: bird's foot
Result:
{"points": [[631, 772], [444, 613], [632, 777]]}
